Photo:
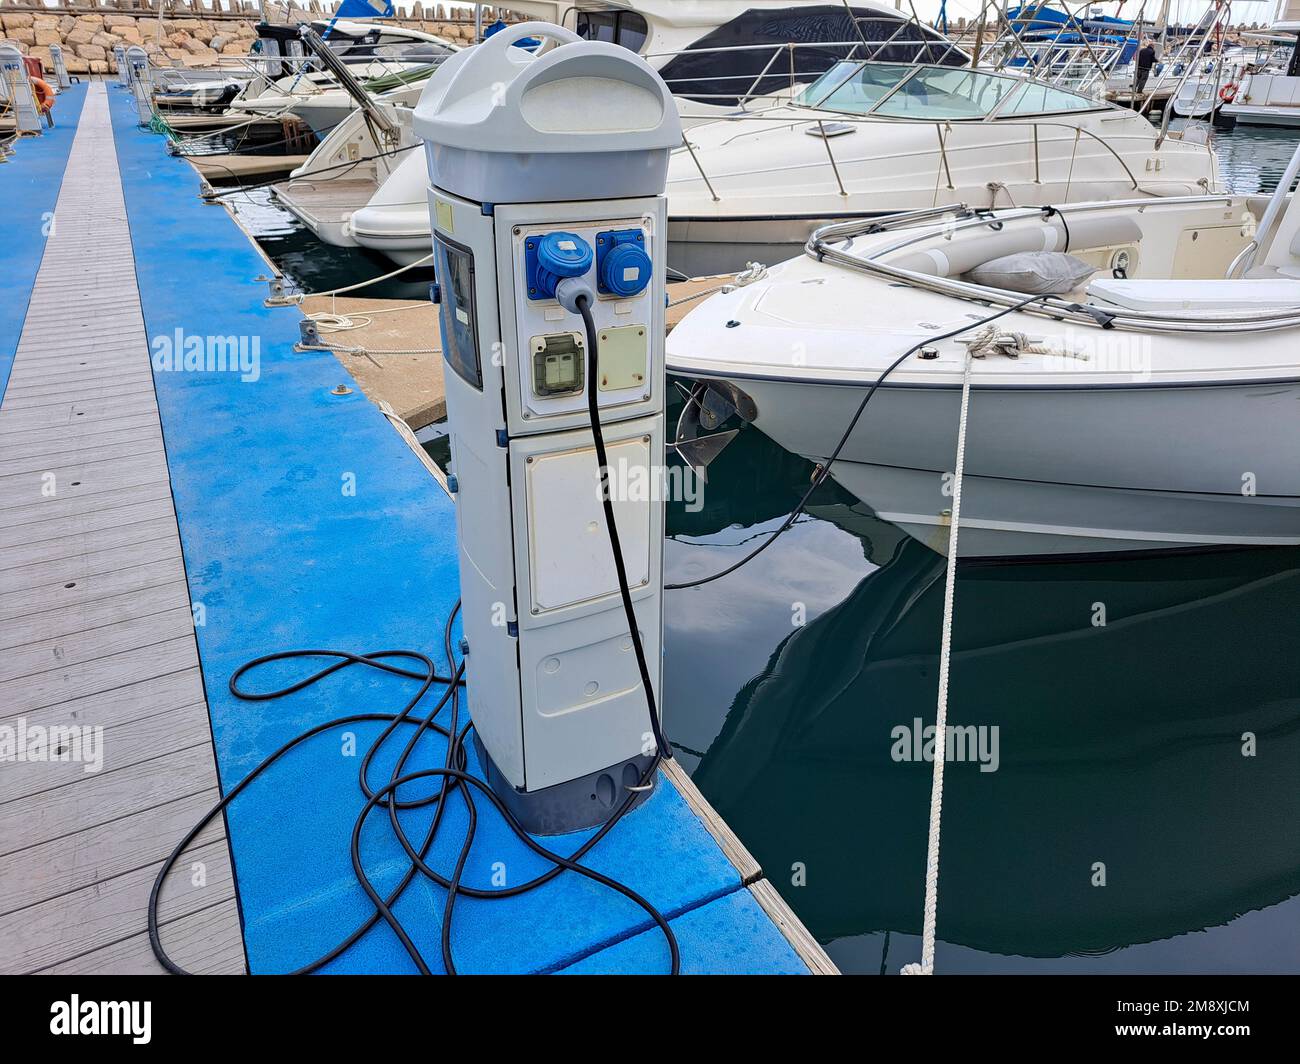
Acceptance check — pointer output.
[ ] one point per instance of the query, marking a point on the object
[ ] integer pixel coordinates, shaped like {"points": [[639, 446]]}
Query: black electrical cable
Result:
{"points": [[452, 775], [824, 469], [593, 411]]}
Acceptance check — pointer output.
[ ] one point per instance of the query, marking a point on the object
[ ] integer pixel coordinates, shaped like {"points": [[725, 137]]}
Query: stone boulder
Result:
{"points": [[91, 52], [17, 21]]}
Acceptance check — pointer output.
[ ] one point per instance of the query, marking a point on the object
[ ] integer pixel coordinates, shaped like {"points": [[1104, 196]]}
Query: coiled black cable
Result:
{"points": [[452, 775]]}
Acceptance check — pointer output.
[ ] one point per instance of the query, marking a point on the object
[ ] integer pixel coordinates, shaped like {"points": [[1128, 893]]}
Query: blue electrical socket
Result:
{"points": [[607, 242]]}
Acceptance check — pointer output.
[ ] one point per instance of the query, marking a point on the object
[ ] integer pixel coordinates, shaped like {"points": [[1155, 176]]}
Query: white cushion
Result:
{"points": [[1170, 295]]}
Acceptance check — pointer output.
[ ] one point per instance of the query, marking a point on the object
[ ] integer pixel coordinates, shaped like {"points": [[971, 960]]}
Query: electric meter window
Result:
{"points": [[454, 266]]}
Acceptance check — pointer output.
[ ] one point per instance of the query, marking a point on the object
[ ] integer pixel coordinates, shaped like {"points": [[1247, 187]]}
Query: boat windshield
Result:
{"points": [[854, 88], [896, 90]]}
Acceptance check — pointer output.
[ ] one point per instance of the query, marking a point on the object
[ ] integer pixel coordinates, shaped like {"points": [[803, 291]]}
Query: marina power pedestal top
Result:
{"points": [[547, 169]]}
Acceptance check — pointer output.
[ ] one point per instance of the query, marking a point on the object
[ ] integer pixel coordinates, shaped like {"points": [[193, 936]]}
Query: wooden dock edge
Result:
{"points": [[800, 938], [741, 859], [751, 873]]}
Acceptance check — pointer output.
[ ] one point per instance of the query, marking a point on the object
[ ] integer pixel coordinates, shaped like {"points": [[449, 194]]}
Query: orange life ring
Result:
{"points": [[1229, 92], [44, 94]]}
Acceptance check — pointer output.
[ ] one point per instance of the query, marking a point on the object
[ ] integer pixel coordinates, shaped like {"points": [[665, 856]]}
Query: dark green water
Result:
{"points": [[317, 267], [1119, 744]]}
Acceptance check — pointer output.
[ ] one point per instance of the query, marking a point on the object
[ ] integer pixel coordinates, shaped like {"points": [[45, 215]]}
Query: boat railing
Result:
{"points": [[1219, 16], [782, 61], [833, 243], [1183, 61], [943, 130]]}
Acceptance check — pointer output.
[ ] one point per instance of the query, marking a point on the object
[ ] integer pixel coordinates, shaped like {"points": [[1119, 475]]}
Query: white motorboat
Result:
{"points": [[1201, 94], [719, 58], [351, 163], [371, 53], [1154, 408], [870, 138], [1270, 96], [875, 138]]}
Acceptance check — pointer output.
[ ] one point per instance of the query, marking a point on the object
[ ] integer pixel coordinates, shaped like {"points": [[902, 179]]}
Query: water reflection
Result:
{"points": [[311, 265], [1120, 691]]}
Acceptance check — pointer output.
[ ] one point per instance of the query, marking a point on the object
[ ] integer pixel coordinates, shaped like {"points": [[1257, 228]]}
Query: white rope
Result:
{"points": [[334, 321], [926, 967], [753, 271], [298, 297], [994, 341]]}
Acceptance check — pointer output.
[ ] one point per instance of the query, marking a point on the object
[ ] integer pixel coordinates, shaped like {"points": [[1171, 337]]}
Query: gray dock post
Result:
{"points": [[18, 90], [141, 82], [123, 75], [60, 68]]}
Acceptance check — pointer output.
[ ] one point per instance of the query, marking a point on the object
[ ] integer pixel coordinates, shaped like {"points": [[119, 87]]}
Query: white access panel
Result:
{"points": [[582, 702], [569, 556]]}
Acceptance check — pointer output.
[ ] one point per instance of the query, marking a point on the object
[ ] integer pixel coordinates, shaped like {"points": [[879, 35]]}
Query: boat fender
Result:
{"points": [[44, 94], [1050, 212]]}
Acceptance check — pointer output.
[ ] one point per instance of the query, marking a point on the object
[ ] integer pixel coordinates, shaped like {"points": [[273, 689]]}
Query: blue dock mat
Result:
{"points": [[29, 189], [307, 522], [731, 935]]}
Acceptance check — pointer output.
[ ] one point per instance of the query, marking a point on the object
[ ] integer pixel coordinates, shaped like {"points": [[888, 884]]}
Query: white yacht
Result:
{"points": [[371, 52], [1271, 96], [868, 137], [1150, 407], [871, 138], [718, 57]]}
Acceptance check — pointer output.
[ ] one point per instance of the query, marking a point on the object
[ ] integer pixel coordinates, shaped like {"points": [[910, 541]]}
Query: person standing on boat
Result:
{"points": [[1146, 59]]}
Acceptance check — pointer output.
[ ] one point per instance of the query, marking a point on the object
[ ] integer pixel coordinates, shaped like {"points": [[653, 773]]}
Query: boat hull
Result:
{"points": [[1059, 470], [1283, 117]]}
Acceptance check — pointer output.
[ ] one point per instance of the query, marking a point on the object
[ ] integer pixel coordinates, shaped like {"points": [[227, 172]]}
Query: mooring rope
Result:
{"points": [[930, 921], [292, 298]]}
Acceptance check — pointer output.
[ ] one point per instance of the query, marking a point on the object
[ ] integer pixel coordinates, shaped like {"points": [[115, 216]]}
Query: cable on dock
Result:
{"points": [[452, 776]]}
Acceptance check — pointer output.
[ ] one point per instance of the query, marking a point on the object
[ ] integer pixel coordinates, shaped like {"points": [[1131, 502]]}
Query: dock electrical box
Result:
{"points": [[547, 171]]}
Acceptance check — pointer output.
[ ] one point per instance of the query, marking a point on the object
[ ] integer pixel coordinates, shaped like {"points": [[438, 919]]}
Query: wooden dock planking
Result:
{"points": [[95, 620]]}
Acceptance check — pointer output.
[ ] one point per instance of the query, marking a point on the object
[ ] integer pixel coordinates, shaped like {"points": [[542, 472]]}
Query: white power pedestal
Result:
{"points": [[546, 166]]}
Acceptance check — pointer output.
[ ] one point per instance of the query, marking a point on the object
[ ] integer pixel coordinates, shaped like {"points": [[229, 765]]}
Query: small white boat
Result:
{"points": [[1271, 96], [1154, 408], [291, 84]]}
